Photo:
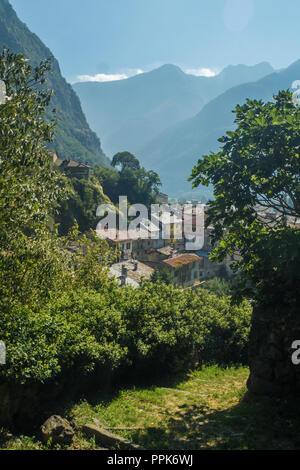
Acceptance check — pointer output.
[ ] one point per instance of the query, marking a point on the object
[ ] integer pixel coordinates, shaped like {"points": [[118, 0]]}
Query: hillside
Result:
{"points": [[74, 137], [174, 153], [128, 113]]}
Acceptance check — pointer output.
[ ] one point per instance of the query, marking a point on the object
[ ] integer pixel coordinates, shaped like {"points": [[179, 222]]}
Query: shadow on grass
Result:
{"points": [[252, 424]]}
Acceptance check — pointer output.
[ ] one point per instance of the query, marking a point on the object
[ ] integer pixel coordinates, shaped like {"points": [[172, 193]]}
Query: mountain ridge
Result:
{"points": [[73, 137], [131, 112], [183, 144]]}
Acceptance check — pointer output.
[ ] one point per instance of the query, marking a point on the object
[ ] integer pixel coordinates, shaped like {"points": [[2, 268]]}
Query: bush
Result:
{"points": [[77, 333], [155, 328], [225, 329], [163, 332]]}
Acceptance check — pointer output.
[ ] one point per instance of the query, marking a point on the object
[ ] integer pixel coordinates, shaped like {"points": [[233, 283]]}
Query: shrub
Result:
{"points": [[77, 333], [225, 329], [163, 332], [155, 328]]}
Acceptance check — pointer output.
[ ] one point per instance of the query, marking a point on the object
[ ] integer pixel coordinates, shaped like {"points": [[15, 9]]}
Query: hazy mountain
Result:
{"points": [[174, 153], [128, 113], [74, 137]]}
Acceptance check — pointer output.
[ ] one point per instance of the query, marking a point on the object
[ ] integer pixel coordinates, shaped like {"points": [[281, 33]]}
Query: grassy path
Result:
{"points": [[209, 409]]}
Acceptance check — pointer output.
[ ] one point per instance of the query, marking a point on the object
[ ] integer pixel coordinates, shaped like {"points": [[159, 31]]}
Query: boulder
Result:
{"points": [[58, 430]]}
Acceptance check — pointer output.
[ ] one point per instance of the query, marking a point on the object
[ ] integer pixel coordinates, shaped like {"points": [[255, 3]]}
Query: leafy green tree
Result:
{"points": [[218, 286], [81, 205], [109, 179], [256, 176], [125, 160], [30, 257], [138, 184], [29, 187], [162, 275]]}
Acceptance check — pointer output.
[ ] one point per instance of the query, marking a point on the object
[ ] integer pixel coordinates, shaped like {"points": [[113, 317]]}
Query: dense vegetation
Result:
{"points": [[141, 332], [64, 321], [79, 205], [128, 179], [255, 214], [104, 186], [256, 187]]}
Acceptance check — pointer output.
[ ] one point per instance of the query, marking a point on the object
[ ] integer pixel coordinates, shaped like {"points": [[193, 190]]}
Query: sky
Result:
{"points": [[101, 40]]}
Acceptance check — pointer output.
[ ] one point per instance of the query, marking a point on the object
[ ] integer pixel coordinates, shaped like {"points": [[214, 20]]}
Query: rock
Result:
{"points": [[106, 438], [58, 430]]}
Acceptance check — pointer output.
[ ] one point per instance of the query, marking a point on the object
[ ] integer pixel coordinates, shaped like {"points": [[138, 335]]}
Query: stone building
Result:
{"points": [[185, 268], [71, 168]]}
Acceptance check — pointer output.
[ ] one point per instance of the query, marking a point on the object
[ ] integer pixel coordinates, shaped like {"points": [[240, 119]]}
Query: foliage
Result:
{"points": [[62, 316], [81, 205], [91, 260], [31, 257], [138, 184], [149, 330], [225, 329], [218, 286], [34, 262], [109, 179], [27, 179], [162, 275], [78, 333], [125, 160], [257, 195]]}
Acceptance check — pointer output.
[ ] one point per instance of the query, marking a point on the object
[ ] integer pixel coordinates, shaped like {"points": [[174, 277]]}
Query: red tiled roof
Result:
{"points": [[181, 260]]}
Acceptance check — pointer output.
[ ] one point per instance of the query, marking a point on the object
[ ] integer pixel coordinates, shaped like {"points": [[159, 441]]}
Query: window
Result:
{"points": [[128, 246]]}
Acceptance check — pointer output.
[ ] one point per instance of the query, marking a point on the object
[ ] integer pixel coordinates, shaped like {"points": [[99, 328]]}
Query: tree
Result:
{"points": [[256, 180], [162, 275], [138, 184], [30, 258], [36, 264], [125, 160], [29, 186]]}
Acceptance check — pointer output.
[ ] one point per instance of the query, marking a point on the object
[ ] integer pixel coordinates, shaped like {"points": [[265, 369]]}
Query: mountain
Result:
{"points": [[128, 113], [175, 151], [74, 137]]}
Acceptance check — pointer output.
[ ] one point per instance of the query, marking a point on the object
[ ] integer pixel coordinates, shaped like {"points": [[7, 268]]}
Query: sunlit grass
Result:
{"points": [[208, 409]]}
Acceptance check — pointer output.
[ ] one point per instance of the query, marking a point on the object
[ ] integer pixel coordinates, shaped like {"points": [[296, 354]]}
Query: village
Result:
{"points": [[162, 247], [161, 244]]}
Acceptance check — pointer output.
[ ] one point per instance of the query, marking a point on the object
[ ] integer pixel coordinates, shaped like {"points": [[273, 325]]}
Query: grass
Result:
{"points": [[208, 409]]}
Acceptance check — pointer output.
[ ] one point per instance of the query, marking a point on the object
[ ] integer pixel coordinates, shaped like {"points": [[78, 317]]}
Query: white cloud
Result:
{"points": [[102, 77], [201, 72], [108, 77]]}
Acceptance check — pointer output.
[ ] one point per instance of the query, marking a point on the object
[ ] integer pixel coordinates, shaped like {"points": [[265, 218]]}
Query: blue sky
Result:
{"points": [[96, 38]]}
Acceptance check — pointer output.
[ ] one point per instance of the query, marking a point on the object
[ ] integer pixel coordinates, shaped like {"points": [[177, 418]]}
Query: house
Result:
{"points": [[131, 272], [71, 168], [170, 225], [162, 198], [148, 240], [120, 240], [185, 268]]}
